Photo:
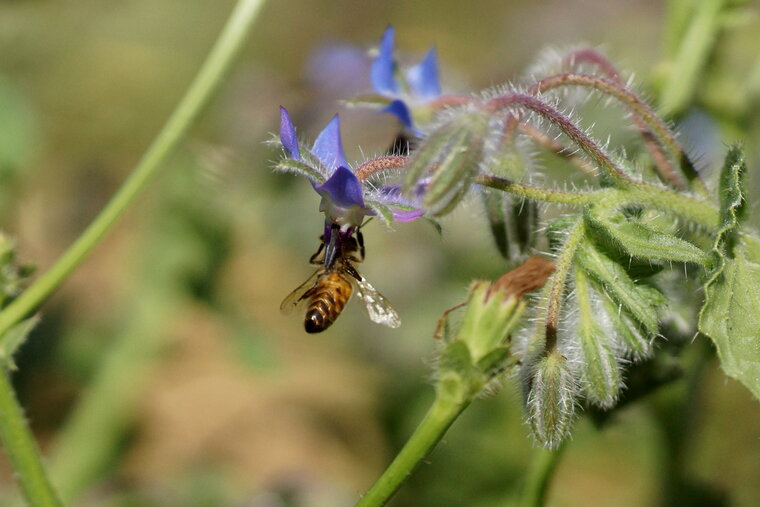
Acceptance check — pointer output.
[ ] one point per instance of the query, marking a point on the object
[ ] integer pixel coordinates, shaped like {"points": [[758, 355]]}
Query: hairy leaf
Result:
{"points": [[600, 372], [636, 299], [640, 241], [13, 339], [731, 313]]}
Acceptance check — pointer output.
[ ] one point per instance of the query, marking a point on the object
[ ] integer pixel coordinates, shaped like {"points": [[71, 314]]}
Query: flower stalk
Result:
{"points": [[22, 449], [472, 356]]}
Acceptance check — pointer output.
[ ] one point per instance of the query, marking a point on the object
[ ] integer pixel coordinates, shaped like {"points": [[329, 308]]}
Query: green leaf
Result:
{"points": [[636, 299], [13, 339], [456, 357], [600, 372], [732, 206], [731, 315], [639, 240]]}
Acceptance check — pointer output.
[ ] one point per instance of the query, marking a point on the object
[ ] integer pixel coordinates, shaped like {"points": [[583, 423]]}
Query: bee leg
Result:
{"points": [[316, 259], [443, 322], [352, 271], [360, 241]]}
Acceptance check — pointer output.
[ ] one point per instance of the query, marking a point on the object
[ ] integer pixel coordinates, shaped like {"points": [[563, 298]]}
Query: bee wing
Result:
{"points": [[297, 298], [377, 307]]}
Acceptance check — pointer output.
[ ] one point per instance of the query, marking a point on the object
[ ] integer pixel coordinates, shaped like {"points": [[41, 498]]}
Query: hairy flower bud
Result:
{"points": [[447, 160], [551, 401]]}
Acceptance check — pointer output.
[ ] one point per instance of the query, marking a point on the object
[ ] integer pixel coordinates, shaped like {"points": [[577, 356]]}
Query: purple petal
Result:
{"points": [[383, 67], [288, 136], [399, 109], [423, 77], [343, 188], [328, 147], [407, 215]]}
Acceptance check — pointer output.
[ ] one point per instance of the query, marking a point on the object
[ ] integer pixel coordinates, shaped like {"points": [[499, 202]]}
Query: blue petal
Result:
{"points": [[288, 136], [423, 77], [399, 109], [328, 147], [383, 67], [343, 188]]}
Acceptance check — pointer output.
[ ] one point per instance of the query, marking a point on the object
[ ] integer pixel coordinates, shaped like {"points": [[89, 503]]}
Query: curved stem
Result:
{"points": [[22, 450], [542, 465], [555, 289], [656, 133], [206, 82], [439, 417], [584, 142], [536, 193]]}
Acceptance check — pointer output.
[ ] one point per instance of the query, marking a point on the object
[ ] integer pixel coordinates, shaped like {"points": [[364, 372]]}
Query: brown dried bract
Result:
{"points": [[528, 276]]}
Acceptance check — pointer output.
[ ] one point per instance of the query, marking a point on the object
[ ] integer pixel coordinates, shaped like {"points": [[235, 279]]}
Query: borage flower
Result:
{"points": [[347, 196], [409, 92]]}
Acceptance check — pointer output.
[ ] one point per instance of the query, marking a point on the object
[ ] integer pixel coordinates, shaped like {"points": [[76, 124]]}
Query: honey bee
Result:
{"points": [[326, 292]]}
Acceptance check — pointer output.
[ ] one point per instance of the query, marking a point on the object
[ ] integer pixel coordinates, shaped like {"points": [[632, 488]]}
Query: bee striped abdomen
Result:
{"points": [[328, 298]]}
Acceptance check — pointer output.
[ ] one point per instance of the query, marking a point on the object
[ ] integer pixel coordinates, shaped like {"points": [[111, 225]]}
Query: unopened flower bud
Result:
{"points": [[551, 400]]}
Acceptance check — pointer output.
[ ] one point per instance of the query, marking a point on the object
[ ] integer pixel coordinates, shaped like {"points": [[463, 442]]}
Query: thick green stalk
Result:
{"points": [[22, 450], [540, 471], [439, 417], [692, 55], [207, 81]]}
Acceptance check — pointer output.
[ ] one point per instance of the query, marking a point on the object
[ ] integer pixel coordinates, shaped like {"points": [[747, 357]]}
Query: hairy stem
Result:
{"points": [[377, 165], [554, 291], [700, 212], [22, 450], [656, 133], [536, 193], [438, 419], [542, 465], [584, 142], [703, 213], [204, 85]]}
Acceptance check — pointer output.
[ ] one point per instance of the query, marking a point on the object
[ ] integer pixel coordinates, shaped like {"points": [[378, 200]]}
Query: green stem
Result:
{"points": [[439, 417], [22, 450], [554, 289], [206, 82], [542, 466], [692, 54], [696, 210], [537, 193], [644, 117]]}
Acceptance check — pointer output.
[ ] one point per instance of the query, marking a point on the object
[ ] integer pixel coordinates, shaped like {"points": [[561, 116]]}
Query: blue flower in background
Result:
{"points": [[346, 198], [417, 85]]}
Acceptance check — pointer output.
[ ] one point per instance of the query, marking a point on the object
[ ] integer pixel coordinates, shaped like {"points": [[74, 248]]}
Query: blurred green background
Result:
{"points": [[163, 373]]}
